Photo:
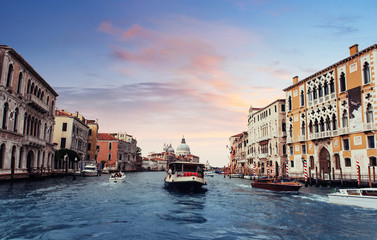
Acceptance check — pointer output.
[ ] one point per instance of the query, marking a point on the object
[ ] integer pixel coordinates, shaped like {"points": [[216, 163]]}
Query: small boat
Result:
{"points": [[236, 175], [185, 176], [209, 174], [361, 197], [89, 171], [117, 177], [276, 185], [247, 177]]}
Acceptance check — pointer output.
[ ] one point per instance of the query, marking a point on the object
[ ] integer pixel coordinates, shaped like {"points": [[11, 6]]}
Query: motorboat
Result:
{"points": [[89, 170], [117, 177], [236, 175], [209, 174], [247, 177], [276, 185], [185, 176], [361, 197]]}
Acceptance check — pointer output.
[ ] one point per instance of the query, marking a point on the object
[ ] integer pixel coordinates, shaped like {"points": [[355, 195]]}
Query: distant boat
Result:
{"points": [[236, 175], [247, 177], [185, 176], [117, 177], [277, 185], [361, 197], [209, 174], [89, 171]]}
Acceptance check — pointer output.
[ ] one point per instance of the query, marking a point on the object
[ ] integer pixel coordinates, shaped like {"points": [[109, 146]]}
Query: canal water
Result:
{"points": [[140, 208]]}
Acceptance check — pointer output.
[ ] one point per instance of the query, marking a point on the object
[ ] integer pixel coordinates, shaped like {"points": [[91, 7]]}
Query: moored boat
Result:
{"points": [[185, 176], [209, 174], [276, 185], [89, 171], [117, 177], [361, 197]]}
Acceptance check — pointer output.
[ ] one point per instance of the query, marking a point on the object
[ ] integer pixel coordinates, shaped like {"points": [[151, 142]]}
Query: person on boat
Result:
{"points": [[170, 172]]}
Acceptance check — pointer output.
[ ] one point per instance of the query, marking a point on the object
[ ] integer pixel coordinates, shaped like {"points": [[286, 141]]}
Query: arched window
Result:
{"points": [[342, 81], [316, 128], [291, 131], [19, 82], [28, 86], [303, 128], [369, 113], [328, 125], [42, 95], [322, 122], [9, 76], [311, 126], [320, 91], [5, 116], [310, 97], [334, 124], [332, 85], [32, 88], [372, 161], [302, 98], [345, 119], [366, 73], [326, 88], [20, 157], [16, 113], [290, 103], [315, 96]]}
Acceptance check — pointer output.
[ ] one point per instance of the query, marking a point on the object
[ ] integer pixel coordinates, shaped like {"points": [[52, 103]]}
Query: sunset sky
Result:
{"points": [[161, 69]]}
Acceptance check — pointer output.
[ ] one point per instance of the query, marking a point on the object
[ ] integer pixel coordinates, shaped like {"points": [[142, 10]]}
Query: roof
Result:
{"points": [[30, 68], [106, 136], [333, 66], [187, 163]]}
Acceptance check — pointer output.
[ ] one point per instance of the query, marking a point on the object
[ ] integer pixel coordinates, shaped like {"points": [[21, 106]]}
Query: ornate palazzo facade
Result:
{"points": [[331, 118], [27, 105]]}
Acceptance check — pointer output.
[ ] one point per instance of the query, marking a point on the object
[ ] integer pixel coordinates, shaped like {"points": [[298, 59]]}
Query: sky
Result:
{"points": [[161, 70]]}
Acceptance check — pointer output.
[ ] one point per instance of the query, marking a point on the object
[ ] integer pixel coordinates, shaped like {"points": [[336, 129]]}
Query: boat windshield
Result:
{"points": [[183, 169]]}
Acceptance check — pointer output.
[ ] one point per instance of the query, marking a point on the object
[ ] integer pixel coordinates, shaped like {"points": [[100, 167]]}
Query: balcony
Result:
{"points": [[289, 139], [301, 138], [36, 103], [284, 134], [327, 97], [343, 131], [315, 102], [332, 95], [310, 103], [321, 100], [369, 126], [33, 142], [324, 134]]}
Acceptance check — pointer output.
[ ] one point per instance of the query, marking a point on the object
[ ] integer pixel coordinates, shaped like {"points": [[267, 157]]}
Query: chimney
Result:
{"points": [[295, 79], [354, 49]]}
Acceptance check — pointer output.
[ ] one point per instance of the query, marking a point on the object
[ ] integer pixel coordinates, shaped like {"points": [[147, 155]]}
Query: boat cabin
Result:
{"points": [[187, 169]]}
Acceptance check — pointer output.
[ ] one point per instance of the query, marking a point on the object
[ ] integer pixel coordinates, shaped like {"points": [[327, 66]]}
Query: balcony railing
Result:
{"points": [[36, 103], [301, 138], [343, 131], [369, 126], [310, 103], [289, 139], [33, 141]]}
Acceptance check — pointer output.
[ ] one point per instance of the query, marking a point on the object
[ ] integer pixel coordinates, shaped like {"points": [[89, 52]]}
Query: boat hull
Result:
{"points": [[283, 187], [357, 197], [187, 184]]}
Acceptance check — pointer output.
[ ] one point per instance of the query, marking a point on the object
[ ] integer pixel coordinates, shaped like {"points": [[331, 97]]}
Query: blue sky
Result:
{"points": [[162, 69]]}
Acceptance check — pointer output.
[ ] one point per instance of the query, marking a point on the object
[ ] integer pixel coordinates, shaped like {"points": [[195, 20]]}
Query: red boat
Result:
{"points": [[270, 184]]}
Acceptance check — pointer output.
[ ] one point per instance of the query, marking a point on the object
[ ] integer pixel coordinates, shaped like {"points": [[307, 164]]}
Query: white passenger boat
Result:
{"points": [[89, 171], [209, 174], [185, 176], [361, 197], [117, 177]]}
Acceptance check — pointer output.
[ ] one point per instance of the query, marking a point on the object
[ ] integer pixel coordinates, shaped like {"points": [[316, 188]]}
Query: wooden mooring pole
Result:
{"points": [[341, 177], [316, 176], [369, 177]]}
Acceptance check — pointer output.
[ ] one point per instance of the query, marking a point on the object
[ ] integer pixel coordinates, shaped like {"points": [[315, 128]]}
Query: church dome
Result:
{"points": [[170, 149], [183, 148]]}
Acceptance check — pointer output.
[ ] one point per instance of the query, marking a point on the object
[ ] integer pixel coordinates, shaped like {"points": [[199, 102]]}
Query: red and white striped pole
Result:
{"points": [[254, 169], [272, 170], [306, 172], [286, 169], [268, 170], [358, 172]]}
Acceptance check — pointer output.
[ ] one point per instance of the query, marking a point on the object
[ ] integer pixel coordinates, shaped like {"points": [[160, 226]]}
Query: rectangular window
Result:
{"points": [[109, 157], [291, 150], [89, 146], [346, 144], [64, 127], [283, 108], [90, 132], [62, 142], [303, 147], [371, 141], [109, 145], [292, 164], [347, 162]]}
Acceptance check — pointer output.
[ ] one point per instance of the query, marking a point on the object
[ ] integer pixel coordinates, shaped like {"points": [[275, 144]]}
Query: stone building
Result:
{"points": [[92, 148], [27, 118], [331, 118], [238, 152], [267, 139]]}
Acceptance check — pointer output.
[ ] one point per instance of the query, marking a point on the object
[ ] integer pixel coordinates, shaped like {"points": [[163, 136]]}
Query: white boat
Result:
{"points": [[185, 176], [247, 177], [117, 177], [209, 174], [236, 175], [89, 171], [361, 197]]}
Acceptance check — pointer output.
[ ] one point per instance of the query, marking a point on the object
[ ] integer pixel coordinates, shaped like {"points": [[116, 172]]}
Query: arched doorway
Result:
{"points": [[324, 160], [13, 162], [30, 161]]}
